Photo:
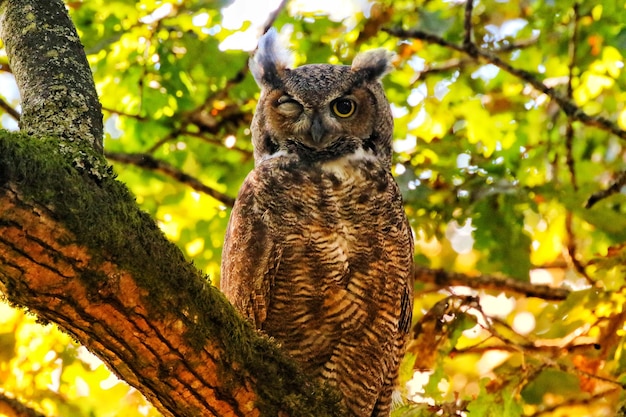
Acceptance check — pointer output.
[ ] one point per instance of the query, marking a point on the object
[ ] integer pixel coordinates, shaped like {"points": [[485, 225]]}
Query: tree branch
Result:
{"points": [[130, 116], [569, 153], [149, 162], [50, 75], [128, 294], [12, 407], [443, 278], [9, 109], [614, 188], [472, 50], [569, 132], [208, 126], [453, 64], [247, 155], [467, 23]]}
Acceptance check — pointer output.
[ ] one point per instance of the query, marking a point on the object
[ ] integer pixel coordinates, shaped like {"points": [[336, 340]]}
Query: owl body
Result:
{"points": [[318, 252]]}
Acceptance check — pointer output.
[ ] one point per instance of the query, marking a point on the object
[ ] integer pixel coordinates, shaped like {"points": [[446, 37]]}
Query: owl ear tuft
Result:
{"points": [[270, 59], [374, 64]]}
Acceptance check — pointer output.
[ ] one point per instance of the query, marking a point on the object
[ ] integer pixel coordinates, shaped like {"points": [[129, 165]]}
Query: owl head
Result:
{"points": [[319, 111]]}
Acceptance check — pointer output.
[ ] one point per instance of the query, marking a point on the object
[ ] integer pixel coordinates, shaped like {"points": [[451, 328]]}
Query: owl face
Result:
{"points": [[319, 111]]}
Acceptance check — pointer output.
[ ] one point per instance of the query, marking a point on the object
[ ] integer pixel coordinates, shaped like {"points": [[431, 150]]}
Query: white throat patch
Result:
{"points": [[343, 167]]}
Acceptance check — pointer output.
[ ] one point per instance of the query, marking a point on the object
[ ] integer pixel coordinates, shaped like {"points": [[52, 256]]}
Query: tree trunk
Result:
{"points": [[51, 69], [76, 250]]}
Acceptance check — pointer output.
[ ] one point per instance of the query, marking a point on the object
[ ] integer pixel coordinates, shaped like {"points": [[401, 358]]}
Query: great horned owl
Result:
{"points": [[318, 252]]}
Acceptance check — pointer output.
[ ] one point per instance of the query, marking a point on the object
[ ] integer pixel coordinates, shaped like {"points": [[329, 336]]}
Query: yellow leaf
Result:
{"points": [[596, 12], [194, 247], [613, 61], [621, 119]]}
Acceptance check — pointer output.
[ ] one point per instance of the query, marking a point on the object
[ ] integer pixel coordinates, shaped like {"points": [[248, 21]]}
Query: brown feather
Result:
{"points": [[318, 252]]}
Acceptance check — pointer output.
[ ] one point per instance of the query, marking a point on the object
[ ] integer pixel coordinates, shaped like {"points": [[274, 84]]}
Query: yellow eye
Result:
{"points": [[343, 107]]}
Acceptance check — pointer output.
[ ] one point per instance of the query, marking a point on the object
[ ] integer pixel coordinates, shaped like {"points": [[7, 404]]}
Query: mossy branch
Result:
{"points": [[77, 251], [54, 79]]}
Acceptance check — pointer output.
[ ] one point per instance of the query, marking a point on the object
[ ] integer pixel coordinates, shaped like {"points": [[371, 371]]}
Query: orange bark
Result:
{"points": [[42, 265]]}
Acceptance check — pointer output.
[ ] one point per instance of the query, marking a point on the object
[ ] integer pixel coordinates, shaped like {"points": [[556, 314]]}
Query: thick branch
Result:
{"points": [[76, 250], [54, 79]]}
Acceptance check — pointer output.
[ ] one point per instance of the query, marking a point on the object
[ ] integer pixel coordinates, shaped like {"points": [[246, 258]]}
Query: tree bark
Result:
{"points": [[76, 250], [55, 82], [10, 407]]}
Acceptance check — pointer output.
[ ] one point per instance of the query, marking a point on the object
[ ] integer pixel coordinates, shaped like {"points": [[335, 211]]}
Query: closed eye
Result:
{"points": [[288, 107]]}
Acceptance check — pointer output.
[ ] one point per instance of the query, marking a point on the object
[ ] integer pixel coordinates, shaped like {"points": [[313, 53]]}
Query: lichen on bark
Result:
{"points": [[54, 79]]}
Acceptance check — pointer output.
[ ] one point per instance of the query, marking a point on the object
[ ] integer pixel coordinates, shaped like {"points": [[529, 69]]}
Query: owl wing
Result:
{"points": [[250, 256]]}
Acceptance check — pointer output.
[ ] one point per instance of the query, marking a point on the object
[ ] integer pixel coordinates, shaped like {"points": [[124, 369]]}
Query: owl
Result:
{"points": [[318, 251]]}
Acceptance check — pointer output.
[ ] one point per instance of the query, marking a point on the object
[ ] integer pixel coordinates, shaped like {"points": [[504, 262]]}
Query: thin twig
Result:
{"points": [[571, 250], [614, 188], [467, 23], [202, 136], [486, 282], [121, 113], [156, 165], [518, 44], [13, 407], [569, 133], [569, 156], [9, 109], [156, 145], [566, 105], [454, 64], [576, 402]]}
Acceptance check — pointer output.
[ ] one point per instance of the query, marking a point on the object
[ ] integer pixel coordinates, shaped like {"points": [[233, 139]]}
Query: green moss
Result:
{"points": [[79, 185], [100, 212]]}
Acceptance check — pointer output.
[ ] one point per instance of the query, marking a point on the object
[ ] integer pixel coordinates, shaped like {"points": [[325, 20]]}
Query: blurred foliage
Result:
{"points": [[495, 178]]}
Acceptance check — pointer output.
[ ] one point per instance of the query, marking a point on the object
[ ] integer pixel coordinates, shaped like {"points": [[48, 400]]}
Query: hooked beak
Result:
{"points": [[317, 130]]}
